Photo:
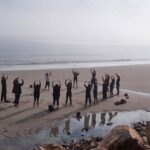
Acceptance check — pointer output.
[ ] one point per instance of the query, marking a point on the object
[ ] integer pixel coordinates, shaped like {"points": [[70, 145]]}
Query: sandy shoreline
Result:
{"points": [[25, 119]]}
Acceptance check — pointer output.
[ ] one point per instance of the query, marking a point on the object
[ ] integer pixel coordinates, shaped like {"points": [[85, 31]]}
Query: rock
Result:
{"points": [[147, 131], [48, 147], [122, 138]]}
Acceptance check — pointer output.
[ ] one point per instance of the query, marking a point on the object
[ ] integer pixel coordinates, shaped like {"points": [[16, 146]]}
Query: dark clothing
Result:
{"points": [[4, 89], [56, 94], [105, 88], [69, 92], [47, 84], [88, 94], [95, 90], [75, 78], [112, 85], [118, 84], [17, 90], [37, 91]]}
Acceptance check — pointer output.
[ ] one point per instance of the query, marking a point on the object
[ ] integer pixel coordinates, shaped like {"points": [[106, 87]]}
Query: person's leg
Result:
{"points": [[86, 99], [70, 97], [90, 99], [2, 96], [53, 100], [37, 101], [66, 99], [18, 99], [5, 99]]}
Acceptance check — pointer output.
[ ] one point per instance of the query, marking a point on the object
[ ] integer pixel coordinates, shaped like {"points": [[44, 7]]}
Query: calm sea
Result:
{"points": [[21, 55]]}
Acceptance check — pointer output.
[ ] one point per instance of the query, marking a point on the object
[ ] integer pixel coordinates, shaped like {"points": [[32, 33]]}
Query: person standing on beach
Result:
{"points": [[118, 84], [47, 82], [93, 72], [88, 92], [4, 88], [68, 84], [75, 77], [107, 79], [112, 85], [37, 87], [95, 89], [104, 88], [17, 90], [56, 92]]}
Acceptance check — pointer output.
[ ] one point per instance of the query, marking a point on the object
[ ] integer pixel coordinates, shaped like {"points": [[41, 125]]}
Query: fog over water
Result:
{"points": [[38, 32]]}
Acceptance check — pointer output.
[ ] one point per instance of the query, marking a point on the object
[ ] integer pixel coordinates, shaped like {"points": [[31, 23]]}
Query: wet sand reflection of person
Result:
{"points": [[54, 131], [93, 124], [103, 120], [111, 115], [86, 123], [67, 127]]}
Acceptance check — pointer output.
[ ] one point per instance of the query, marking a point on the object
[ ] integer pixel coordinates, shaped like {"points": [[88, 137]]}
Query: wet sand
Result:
{"points": [[25, 119]]}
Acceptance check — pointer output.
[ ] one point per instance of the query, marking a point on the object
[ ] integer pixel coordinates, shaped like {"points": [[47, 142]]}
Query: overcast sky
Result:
{"points": [[118, 21]]}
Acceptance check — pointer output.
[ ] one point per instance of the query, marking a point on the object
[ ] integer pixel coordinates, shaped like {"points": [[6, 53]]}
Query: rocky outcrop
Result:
{"points": [[48, 147], [122, 138]]}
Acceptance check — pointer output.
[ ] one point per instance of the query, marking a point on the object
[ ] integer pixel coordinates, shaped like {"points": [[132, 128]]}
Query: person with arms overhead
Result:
{"points": [[75, 77], [56, 92], [68, 84], [112, 85], [47, 82], [37, 87], [88, 87], [17, 90], [4, 88]]}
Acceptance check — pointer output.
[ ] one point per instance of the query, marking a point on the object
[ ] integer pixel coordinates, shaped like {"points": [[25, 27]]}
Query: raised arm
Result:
{"points": [[59, 84], [66, 82], [22, 82], [85, 85]]}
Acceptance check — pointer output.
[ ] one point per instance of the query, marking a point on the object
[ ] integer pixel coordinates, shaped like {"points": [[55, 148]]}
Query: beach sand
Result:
{"points": [[25, 120]]}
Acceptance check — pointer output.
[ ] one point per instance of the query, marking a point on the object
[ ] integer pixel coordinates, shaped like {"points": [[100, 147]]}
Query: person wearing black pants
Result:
{"points": [[17, 90], [104, 88], [75, 77], [88, 92], [56, 93], [118, 84], [4, 88], [112, 85], [37, 88], [69, 92]]}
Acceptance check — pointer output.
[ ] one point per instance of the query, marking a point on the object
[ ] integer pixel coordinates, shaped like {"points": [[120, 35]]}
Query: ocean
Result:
{"points": [[26, 55]]}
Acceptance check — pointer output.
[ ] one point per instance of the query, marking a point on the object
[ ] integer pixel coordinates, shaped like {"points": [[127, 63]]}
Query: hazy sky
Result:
{"points": [[118, 21]]}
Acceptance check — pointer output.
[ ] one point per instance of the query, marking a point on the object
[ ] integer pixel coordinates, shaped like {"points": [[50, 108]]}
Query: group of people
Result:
{"points": [[108, 85]]}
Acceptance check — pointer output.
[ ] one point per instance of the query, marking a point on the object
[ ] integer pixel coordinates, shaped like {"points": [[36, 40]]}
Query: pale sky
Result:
{"points": [[118, 21]]}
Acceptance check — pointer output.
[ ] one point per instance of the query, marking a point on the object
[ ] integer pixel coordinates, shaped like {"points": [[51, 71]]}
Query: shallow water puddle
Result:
{"points": [[91, 124]]}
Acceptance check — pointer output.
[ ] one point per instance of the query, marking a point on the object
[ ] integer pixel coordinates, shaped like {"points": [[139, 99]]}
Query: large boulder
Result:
{"points": [[122, 138], [48, 147]]}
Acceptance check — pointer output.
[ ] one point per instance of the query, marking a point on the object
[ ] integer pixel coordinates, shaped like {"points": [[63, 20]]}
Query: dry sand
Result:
{"points": [[26, 120]]}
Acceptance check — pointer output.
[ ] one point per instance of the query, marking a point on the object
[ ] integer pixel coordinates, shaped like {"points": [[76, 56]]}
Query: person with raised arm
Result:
{"points": [[68, 84], [4, 88], [75, 77], [88, 86], [17, 90], [112, 83], [37, 87], [56, 92], [47, 81]]}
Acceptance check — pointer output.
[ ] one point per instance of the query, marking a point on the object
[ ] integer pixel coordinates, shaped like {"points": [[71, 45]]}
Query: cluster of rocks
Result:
{"points": [[83, 144], [143, 128], [121, 137]]}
